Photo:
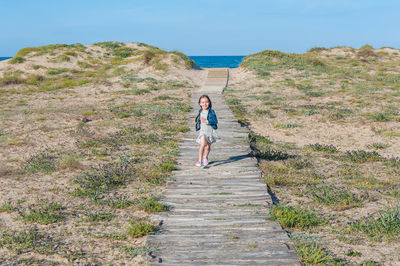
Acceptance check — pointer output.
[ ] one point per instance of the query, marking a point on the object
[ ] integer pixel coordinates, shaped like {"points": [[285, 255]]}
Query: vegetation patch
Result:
{"points": [[135, 251], [17, 60], [103, 178], [43, 213], [6, 207], [42, 162], [296, 217], [312, 253], [361, 156], [385, 224], [338, 198], [140, 227], [99, 216], [323, 147], [30, 240]]}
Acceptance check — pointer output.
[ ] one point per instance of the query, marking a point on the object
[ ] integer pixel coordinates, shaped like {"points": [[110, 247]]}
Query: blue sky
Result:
{"points": [[202, 27]]}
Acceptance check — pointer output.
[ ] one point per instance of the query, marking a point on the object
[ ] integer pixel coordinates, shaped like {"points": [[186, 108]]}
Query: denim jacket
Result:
{"points": [[211, 118]]}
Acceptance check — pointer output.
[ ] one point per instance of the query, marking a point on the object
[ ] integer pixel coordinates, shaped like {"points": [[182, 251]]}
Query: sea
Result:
{"points": [[218, 61], [230, 61]]}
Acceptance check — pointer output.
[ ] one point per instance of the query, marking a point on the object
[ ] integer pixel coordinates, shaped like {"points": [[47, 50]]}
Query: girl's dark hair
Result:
{"points": [[208, 98]]}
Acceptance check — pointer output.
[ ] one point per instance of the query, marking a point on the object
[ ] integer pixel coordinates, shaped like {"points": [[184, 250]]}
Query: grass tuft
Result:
{"points": [[44, 213], [99, 216], [140, 227], [135, 251], [361, 156], [17, 60], [338, 198], [323, 147], [296, 217], [30, 240], [384, 224], [101, 179], [42, 162]]}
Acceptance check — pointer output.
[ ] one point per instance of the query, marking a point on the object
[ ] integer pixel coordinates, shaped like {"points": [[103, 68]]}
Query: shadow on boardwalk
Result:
{"points": [[231, 159]]}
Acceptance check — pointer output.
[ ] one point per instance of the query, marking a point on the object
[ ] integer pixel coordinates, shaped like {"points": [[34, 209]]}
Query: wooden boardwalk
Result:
{"points": [[219, 212]]}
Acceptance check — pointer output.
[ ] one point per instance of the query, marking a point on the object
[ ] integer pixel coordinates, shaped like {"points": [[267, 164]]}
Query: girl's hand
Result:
{"points": [[194, 123]]}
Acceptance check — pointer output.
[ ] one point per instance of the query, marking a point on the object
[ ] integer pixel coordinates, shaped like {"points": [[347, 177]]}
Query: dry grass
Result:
{"points": [[328, 126], [84, 149]]}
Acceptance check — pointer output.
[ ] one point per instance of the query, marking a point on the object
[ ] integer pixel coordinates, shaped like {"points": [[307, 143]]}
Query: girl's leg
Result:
{"points": [[207, 151], [201, 149]]}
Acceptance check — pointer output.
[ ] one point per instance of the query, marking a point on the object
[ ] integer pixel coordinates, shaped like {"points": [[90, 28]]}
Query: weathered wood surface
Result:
{"points": [[219, 213]]}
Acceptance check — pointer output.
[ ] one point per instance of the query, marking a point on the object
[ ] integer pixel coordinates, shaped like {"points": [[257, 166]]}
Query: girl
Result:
{"points": [[206, 121]]}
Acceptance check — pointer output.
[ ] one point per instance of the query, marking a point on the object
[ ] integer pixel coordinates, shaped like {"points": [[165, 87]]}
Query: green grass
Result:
{"points": [[296, 217], [141, 227], [44, 213], [6, 207], [133, 91], [285, 125], [323, 147], [297, 163], [165, 97], [103, 178], [352, 253], [151, 205], [119, 202], [135, 251], [42, 162], [338, 198], [30, 240], [56, 71], [380, 117], [312, 253], [69, 160], [99, 216], [17, 60], [189, 63], [264, 62], [378, 146], [360, 156], [48, 49], [385, 224]]}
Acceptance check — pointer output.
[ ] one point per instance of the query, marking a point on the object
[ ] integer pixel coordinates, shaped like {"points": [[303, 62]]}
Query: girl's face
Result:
{"points": [[204, 103]]}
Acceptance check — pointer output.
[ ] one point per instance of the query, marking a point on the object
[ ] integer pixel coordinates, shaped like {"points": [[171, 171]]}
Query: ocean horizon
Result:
{"points": [[231, 61]]}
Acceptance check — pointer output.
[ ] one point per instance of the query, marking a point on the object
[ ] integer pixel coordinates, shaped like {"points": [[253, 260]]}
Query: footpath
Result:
{"points": [[219, 213]]}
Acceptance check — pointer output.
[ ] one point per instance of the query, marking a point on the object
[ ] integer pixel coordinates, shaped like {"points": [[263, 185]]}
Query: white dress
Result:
{"points": [[206, 130]]}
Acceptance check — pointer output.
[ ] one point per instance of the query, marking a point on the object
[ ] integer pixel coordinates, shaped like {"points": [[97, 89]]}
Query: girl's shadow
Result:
{"points": [[230, 160]]}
